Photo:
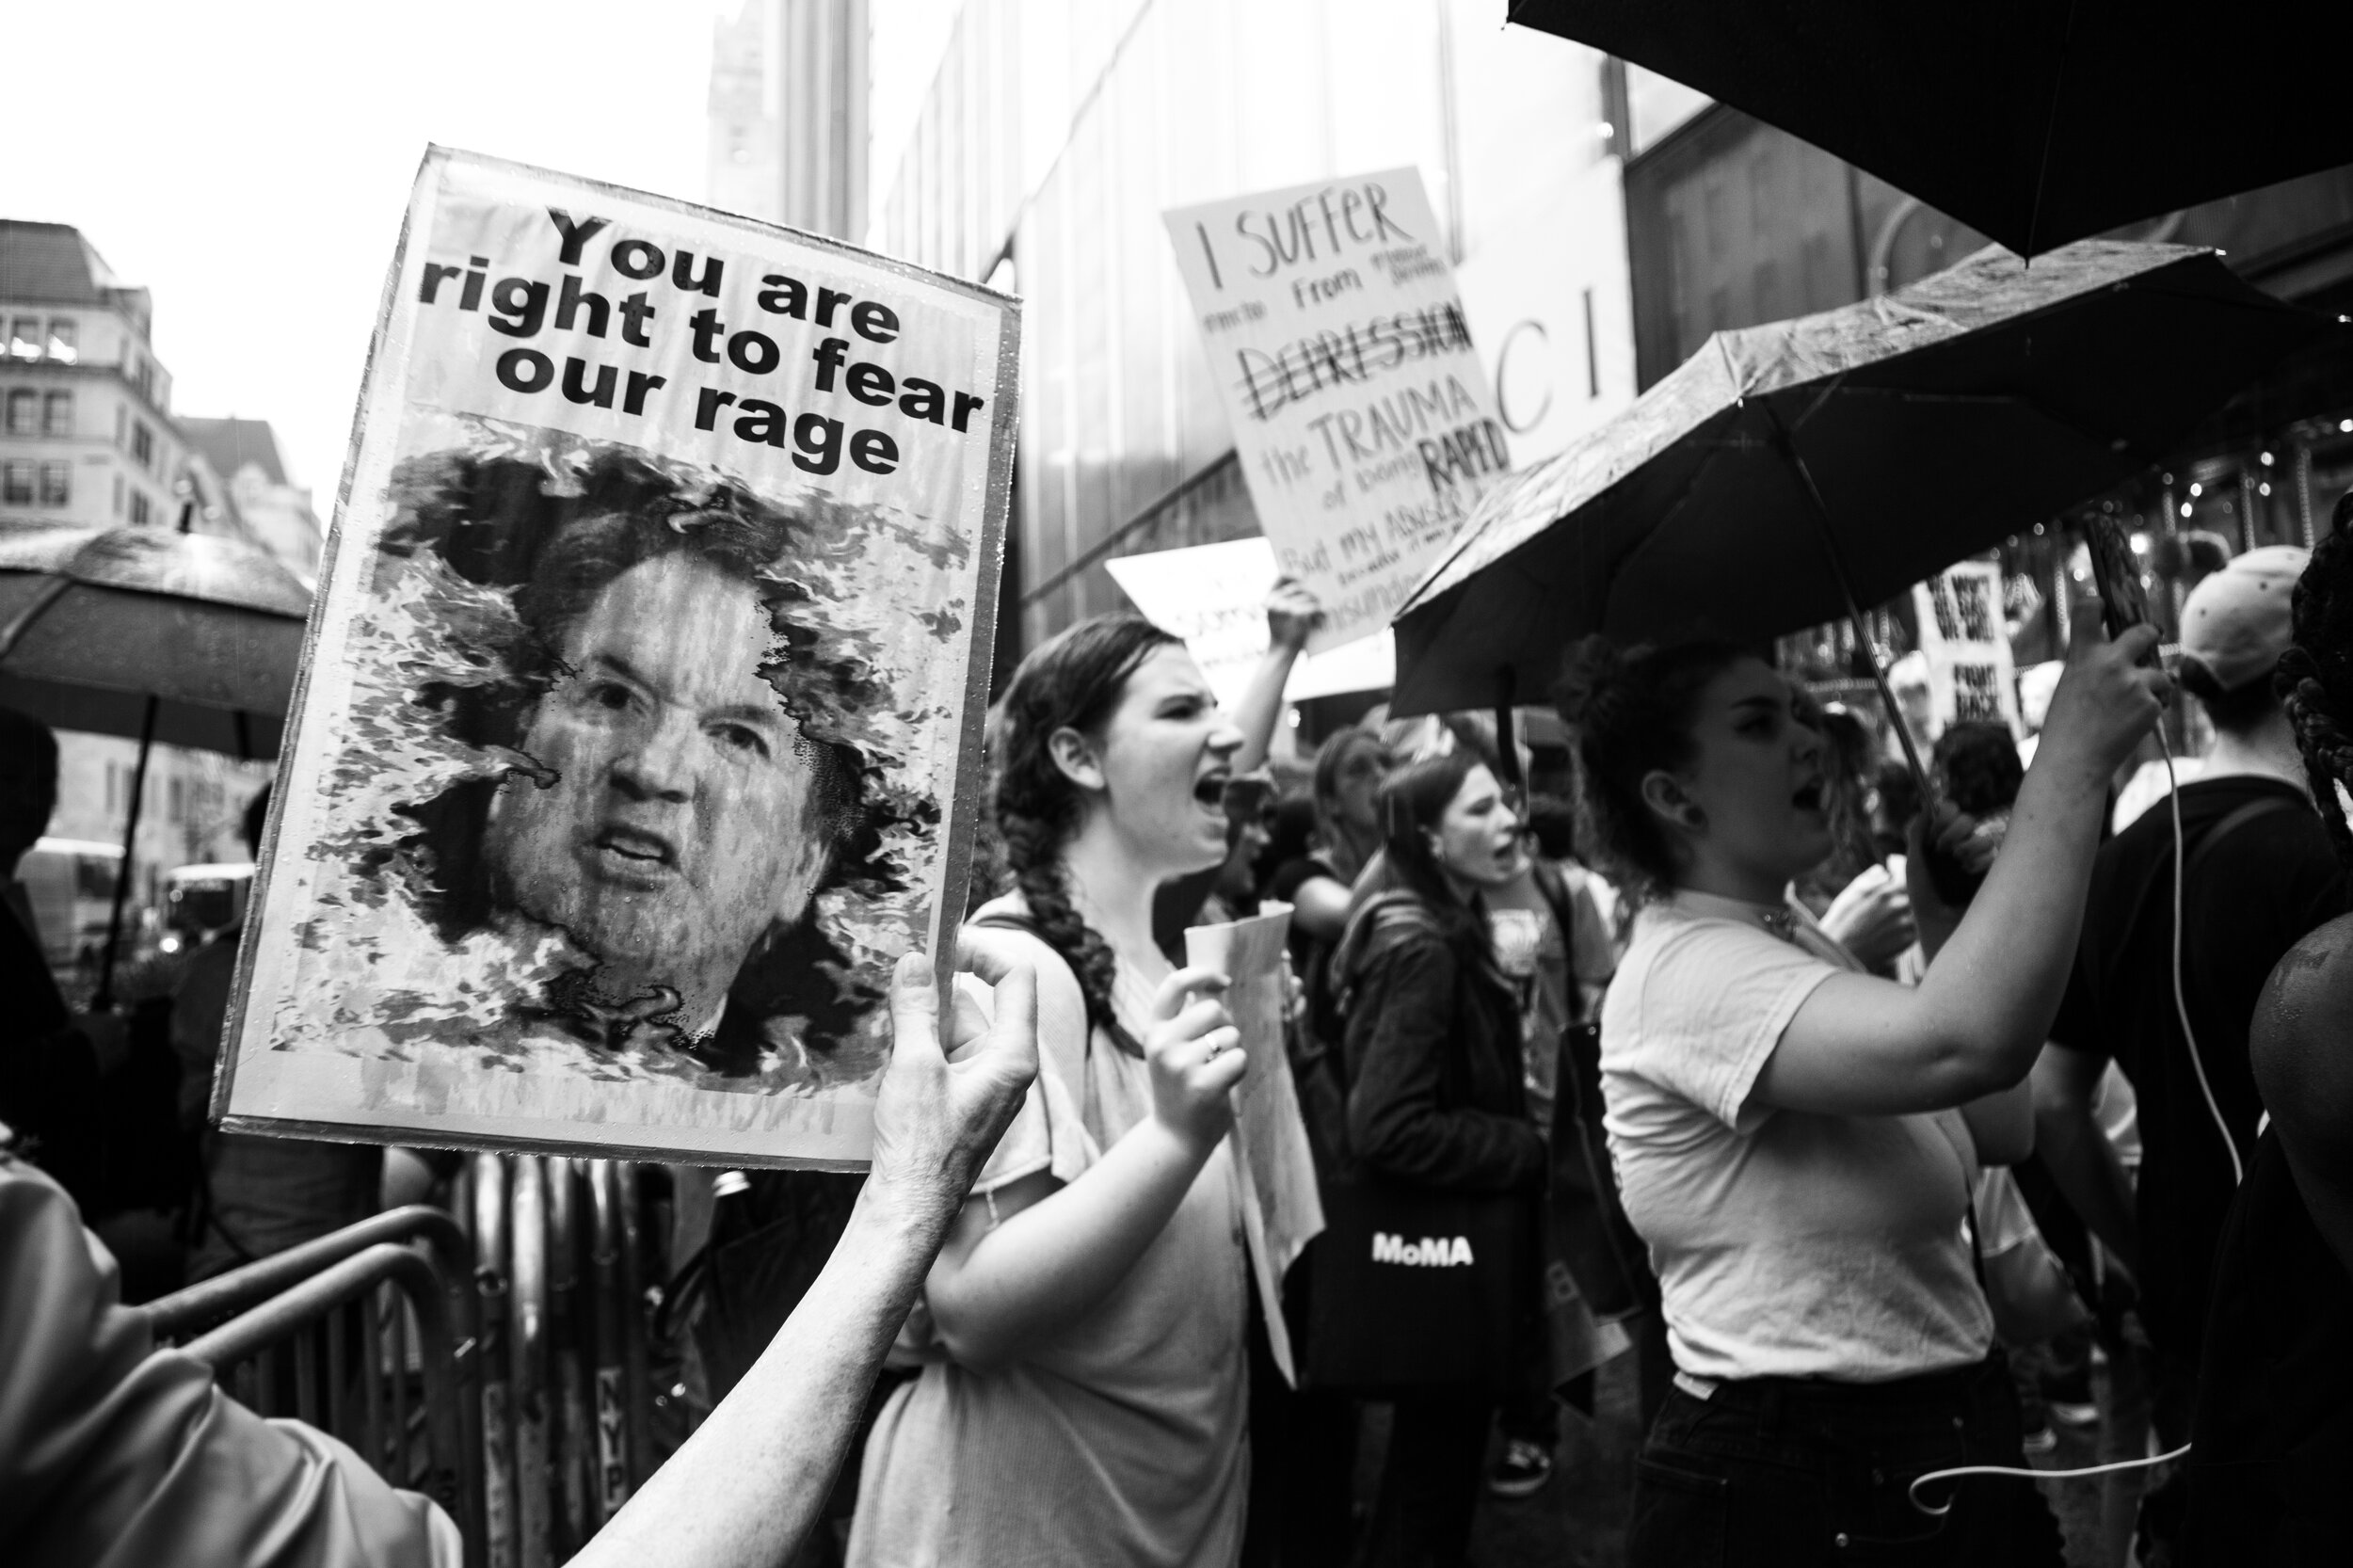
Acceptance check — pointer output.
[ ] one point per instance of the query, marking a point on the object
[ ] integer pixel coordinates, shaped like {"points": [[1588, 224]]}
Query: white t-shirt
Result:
{"points": [[1787, 1244]]}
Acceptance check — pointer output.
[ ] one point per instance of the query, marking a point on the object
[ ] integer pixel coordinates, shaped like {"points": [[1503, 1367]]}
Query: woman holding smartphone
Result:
{"points": [[1796, 1140]]}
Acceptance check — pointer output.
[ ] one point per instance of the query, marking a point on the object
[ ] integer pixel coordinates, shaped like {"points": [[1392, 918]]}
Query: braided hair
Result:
{"points": [[1631, 711], [2314, 679], [1072, 682]]}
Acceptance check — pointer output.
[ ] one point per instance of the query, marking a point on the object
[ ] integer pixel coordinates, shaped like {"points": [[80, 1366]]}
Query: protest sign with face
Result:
{"points": [[1363, 419], [638, 729]]}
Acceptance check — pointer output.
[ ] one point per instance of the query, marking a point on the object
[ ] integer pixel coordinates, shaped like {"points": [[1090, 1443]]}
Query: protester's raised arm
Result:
{"points": [[1861, 1046], [1291, 614], [744, 1488]]}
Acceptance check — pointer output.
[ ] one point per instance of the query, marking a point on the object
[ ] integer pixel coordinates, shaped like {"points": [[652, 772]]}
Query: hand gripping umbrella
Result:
{"points": [[178, 637], [2033, 122], [1785, 474]]}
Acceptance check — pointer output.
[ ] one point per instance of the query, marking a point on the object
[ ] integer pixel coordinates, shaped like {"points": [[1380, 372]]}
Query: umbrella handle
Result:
{"points": [[1788, 448], [1887, 694], [103, 1000]]}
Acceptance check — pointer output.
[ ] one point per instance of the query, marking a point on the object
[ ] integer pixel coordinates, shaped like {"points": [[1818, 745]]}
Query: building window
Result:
{"points": [[142, 445], [56, 484], [16, 484], [118, 495], [138, 509], [22, 402], [57, 414], [25, 338], [62, 344]]}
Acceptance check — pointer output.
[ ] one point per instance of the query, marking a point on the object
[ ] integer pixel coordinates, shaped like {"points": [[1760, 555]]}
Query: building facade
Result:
{"points": [[788, 137], [88, 439], [1055, 134], [85, 429], [241, 473]]}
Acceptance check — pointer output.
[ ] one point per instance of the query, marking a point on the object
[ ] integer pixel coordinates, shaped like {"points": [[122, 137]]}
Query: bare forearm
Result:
{"points": [[1995, 986], [2084, 1165], [744, 1488], [1261, 705], [1044, 1267]]}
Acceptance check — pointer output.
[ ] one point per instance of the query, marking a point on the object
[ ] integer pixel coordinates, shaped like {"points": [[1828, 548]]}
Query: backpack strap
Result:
{"points": [[1006, 921], [2214, 835], [1387, 915], [1555, 888]]}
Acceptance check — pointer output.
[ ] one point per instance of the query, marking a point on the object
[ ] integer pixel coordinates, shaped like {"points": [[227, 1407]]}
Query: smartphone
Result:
{"points": [[2123, 603]]}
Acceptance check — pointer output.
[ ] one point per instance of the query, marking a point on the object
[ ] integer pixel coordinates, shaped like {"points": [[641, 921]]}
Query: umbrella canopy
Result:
{"points": [[95, 622], [2033, 122], [1933, 423]]}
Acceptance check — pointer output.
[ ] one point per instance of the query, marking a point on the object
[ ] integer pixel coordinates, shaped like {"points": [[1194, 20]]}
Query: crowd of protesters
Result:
{"points": [[1863, 1123]]}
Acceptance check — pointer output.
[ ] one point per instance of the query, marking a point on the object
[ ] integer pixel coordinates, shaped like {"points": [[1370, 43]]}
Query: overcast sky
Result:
{"points": [[249, 160]]}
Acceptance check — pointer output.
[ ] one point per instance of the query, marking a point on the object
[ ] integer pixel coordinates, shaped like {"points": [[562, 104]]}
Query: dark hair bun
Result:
{"points": [[1591, 674]]}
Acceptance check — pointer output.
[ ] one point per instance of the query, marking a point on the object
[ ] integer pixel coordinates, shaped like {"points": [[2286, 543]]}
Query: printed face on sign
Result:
{"points": [[672, 756], [639, 734], [678, 828]]}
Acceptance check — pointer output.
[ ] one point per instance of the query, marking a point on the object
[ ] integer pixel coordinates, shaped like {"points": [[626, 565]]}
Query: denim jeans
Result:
{"points": [[1785, 1471]]}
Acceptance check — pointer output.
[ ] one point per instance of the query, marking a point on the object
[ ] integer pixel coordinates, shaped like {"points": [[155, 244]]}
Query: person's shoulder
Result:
{"points": [[1298, 871], [1389, 933], [1681, 960], [1663, 926], [2282, 845], [1006, 924], [2148, 834], [2294, 1041], [210, 967]]}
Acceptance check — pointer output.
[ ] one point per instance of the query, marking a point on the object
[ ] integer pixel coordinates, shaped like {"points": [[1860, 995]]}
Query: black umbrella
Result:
{"points": [[1784, 473], [182, 638], [2033, 122]]}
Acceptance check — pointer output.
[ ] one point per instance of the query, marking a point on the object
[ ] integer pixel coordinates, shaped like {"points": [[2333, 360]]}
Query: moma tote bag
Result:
{"points": [[1414, 1290]]}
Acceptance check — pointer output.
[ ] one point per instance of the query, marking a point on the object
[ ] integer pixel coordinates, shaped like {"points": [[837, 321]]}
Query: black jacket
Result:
{"points": [[1437, 1095]]}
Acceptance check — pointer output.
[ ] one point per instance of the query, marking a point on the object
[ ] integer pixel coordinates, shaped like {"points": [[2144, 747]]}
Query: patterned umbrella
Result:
{"points": [[182, 638], [94, 623], [1784, 473]]}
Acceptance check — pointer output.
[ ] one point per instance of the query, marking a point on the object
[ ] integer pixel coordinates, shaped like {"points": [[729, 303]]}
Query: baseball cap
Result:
{"points": [[2236, 623]]}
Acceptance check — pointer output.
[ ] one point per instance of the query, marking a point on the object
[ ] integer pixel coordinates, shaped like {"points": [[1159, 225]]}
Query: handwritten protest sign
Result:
{"points": [[1363, 419], [1213, 596], [639, 721], [1281, 1210], [1966, 645]]}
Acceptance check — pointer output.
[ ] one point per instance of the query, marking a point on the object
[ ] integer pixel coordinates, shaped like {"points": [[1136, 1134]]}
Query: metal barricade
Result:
{"points": [[483, 1202], [624, 1384], [516, 1387], [567, 1391], [362, 1335]]}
